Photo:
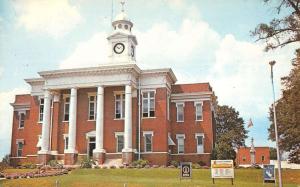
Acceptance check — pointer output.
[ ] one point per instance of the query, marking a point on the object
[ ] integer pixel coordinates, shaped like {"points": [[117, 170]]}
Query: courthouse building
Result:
{"points": [[113, 111]]}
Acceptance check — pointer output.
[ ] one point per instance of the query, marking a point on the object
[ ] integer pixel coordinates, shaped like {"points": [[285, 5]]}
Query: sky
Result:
{"points": [[201, 40]]}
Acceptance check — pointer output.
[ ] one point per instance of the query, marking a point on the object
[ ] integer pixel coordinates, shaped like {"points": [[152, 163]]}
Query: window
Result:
{"points": [[200, 142], [20, 145], [180, 143], [198, 106], [66, 137], [119, 106], [120, 142], [41, 109], [262, 158], [244, 158], [66, 108], [149, 104], [21, 120], [92, 107], [180, 112], [148, 141]]}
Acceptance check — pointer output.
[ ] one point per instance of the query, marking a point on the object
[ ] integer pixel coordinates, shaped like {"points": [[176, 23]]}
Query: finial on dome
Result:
{"points": [[122, 4]]}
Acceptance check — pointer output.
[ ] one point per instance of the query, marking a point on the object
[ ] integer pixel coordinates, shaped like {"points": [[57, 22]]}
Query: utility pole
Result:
{"points": [[272, 63]]}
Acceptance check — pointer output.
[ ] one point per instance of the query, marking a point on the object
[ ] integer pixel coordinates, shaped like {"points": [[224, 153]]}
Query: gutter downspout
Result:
{"points": [[139, 116]]}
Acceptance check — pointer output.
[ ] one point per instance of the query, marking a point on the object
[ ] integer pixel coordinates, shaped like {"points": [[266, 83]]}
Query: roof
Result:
{"points": [[191, 88]]}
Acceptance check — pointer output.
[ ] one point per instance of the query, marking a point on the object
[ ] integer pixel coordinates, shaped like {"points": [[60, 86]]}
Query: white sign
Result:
{"points": [[222, 169]]}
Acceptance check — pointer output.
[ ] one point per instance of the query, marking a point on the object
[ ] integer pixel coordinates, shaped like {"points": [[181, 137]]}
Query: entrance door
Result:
{"points": [[200, 144], [91, 146]]}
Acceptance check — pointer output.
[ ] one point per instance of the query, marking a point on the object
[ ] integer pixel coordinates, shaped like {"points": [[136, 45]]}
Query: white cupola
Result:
{"points": [[122, 42]]}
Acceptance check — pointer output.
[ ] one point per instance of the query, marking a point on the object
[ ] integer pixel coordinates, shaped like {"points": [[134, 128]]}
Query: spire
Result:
{"points": [[252, 149]]}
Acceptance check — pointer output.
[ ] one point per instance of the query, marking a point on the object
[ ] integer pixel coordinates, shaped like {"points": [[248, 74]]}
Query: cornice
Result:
{"points": [[167, 71], [35, 80], [105, 69]]}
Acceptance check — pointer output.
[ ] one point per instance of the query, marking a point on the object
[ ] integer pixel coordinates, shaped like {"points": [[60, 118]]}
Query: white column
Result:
{"points": [[72, 121], [128, 120], [46, 123], [99, 120]]}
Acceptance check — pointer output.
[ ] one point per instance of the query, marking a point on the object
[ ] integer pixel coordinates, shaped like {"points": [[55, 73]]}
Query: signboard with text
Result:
{"points": [[222, 169], [269, 173], [186, 170]]}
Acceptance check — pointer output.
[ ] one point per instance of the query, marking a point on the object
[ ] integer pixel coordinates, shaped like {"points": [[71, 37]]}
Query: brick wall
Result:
{"points": [[244, 152], [159, 124]]}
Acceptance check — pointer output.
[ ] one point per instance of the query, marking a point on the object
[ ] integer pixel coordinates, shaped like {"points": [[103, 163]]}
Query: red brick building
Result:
{"points": [[113, 111], [247, 156]]}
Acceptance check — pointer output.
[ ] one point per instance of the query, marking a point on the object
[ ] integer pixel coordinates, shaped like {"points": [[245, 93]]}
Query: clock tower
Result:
{"points": [[122, 42]]}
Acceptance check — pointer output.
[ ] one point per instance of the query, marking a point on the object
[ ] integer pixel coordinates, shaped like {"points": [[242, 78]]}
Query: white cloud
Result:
{"points": [[88, 53], [56, 17], [6, 113], [241, 75]]}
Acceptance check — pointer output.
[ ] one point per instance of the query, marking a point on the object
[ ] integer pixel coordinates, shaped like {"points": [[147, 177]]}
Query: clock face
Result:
{"points": [[119, 48], [132, 51]]}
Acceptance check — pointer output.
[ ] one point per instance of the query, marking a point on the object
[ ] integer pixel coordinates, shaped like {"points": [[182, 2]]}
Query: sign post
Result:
{"points": [[186, 170], [269, 173], [221, 169]]}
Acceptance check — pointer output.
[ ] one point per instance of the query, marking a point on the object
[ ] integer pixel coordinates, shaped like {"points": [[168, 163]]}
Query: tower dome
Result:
{"points": [[122, 23]]}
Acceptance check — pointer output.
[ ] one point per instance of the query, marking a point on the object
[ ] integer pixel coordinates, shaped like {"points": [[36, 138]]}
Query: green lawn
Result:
{"points": [[152, 177]]}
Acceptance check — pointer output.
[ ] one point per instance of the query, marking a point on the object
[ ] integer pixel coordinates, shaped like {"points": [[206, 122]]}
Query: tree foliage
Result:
{"points": [[230, 132], [288, 113], [280, 31]]}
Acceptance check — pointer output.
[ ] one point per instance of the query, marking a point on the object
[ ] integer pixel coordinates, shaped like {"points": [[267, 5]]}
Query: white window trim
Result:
{"points": [[122, 99], [40, 98], [180, 136], [17, 142], [65, 96], [116, 136], [19, 115], [195, 105], [196, 137], [90, 94], [178, 104], [148, 101], [144, 135]]}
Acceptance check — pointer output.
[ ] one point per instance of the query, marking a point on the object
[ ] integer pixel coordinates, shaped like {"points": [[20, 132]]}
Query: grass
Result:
{"points": [[19, 170], [152, 177]]}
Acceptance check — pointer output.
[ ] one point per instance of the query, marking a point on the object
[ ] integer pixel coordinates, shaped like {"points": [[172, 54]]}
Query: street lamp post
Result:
{"points": [[272, 63]]}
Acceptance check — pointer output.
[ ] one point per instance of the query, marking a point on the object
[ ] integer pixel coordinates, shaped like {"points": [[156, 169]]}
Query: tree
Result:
{"points": [[288, 113], [273, 153], [230, 132], [280, 31]]}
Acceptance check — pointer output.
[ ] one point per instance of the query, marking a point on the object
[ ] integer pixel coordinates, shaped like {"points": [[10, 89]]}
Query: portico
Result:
{"points": [[126, 77]]}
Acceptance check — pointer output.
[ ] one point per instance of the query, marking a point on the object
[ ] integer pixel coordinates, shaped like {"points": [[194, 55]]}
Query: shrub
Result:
{"points": [[86, 163], [113, 167], [121, 167], [140, 163], [104, 167], [174, 163], [28, 165], [55, 164]]}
